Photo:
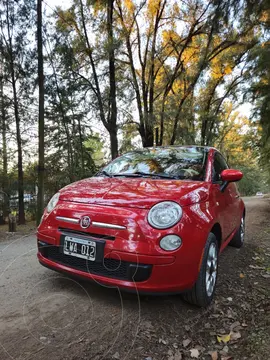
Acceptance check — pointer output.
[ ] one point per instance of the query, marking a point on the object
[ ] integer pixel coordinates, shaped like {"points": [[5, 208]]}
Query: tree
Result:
{"points": [[40, 198], [3, 126], [95, 56], [112, 117], [259, 69], [67, 121], [239, 143], [166, 64], [145, 44], [16, 53]]}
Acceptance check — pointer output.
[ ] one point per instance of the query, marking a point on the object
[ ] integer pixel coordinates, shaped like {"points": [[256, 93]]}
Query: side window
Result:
{"points": [[219, 165]]}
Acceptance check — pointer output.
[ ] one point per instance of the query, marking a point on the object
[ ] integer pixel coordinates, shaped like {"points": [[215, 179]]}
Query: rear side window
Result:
{"points": [[219, 165]]}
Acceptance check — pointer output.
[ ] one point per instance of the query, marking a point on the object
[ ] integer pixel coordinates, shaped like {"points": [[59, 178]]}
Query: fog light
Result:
{"points": [[170, 242]]}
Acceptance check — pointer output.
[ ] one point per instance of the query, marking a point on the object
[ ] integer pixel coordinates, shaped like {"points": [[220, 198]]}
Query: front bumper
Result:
{"points": [[144, 266], [118, 271], [107, 267]]}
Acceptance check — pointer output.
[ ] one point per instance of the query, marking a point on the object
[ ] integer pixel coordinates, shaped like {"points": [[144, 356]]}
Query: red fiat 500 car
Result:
{"points": [[153, 221]]}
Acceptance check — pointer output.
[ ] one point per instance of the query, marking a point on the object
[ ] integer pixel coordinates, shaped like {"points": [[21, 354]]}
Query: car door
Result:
{"points": [[224, 199], [235, 205]]}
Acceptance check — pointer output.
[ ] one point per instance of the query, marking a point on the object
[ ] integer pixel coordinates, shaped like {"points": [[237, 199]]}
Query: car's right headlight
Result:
{"points": [[164, 214], [52, 203]]}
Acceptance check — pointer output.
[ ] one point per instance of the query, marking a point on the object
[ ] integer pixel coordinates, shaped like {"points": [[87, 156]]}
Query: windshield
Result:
{"points": [[172, 163]]}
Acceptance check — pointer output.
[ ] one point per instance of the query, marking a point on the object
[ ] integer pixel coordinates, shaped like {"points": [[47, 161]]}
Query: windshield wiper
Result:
{"points": [[138, 174], [141, 173], [104, 172]]}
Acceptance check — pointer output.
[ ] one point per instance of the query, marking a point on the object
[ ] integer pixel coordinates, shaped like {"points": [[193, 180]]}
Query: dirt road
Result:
{"points": [[44, 315]]}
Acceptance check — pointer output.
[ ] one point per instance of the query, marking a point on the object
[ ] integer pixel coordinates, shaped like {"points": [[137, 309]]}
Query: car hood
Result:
{"points": [[137, 193]]}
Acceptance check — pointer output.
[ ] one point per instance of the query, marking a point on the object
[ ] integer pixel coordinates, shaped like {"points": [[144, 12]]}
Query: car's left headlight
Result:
{"points": [[52, 203], [164, 214], [170, 242]]}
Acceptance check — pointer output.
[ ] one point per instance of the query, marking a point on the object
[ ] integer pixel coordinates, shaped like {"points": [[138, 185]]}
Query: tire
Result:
{"points": [[239, 237], [202, 292]]}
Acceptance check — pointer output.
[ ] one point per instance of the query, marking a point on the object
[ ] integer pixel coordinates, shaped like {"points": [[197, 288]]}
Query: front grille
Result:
{"points": [[85, 233], [111, 268]]}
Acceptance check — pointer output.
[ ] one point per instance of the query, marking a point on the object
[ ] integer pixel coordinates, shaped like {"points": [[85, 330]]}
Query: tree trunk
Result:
{"points": [[64, 122], [134, 74], [162, 114], [17, 120], [149, 134], [112, 116], [108, 121], [4, 150], [81, 147], [149, 126], [20, 163], [40, 197], [114, 144]]}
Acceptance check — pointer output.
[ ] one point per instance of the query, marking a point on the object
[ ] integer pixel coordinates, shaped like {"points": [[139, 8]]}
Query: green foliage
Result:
{"points": [[57, 170], [253, 181], [259, 69], [94, 147], [129, 133], [185, 75]]}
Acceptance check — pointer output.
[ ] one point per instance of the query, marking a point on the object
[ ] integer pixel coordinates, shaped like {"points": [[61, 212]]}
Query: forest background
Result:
{"points": [[82, 82]]}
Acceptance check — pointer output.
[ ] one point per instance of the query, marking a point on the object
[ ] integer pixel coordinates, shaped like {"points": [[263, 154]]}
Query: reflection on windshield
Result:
{"points": [[172, 162]]}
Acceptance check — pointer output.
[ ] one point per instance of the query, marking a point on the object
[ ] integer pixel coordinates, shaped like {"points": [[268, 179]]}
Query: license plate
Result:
{"points": [[84, 249]]}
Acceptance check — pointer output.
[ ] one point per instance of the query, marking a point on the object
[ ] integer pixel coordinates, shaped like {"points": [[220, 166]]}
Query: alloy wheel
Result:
{"points": [[211, 269], [242, 229]]}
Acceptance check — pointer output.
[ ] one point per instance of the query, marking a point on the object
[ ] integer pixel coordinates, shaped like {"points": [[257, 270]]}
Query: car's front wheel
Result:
{"points": [[203, 291]]}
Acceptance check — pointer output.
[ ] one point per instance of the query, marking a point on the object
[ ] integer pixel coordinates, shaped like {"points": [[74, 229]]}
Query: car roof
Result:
{"points": [[207, 148]]}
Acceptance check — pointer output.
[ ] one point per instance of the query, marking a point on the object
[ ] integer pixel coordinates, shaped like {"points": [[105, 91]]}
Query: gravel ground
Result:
{"points": [[45, 315]]}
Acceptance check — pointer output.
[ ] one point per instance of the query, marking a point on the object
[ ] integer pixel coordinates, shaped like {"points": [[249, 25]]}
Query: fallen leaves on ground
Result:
{"points": [[214, 355], [224, 351], [162, 341], [194, 353], [256, 267], [186, 342], [235, 326], [146, 324], [224, 338], [235, 335], [232, 336], [174, 356]]}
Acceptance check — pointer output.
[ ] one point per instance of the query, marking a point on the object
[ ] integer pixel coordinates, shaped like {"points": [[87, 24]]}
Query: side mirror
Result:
{"points": [[230, 175]]}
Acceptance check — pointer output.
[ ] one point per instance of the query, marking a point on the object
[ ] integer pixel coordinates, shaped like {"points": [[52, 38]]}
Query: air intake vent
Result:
{"points": [[84, 233]]}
